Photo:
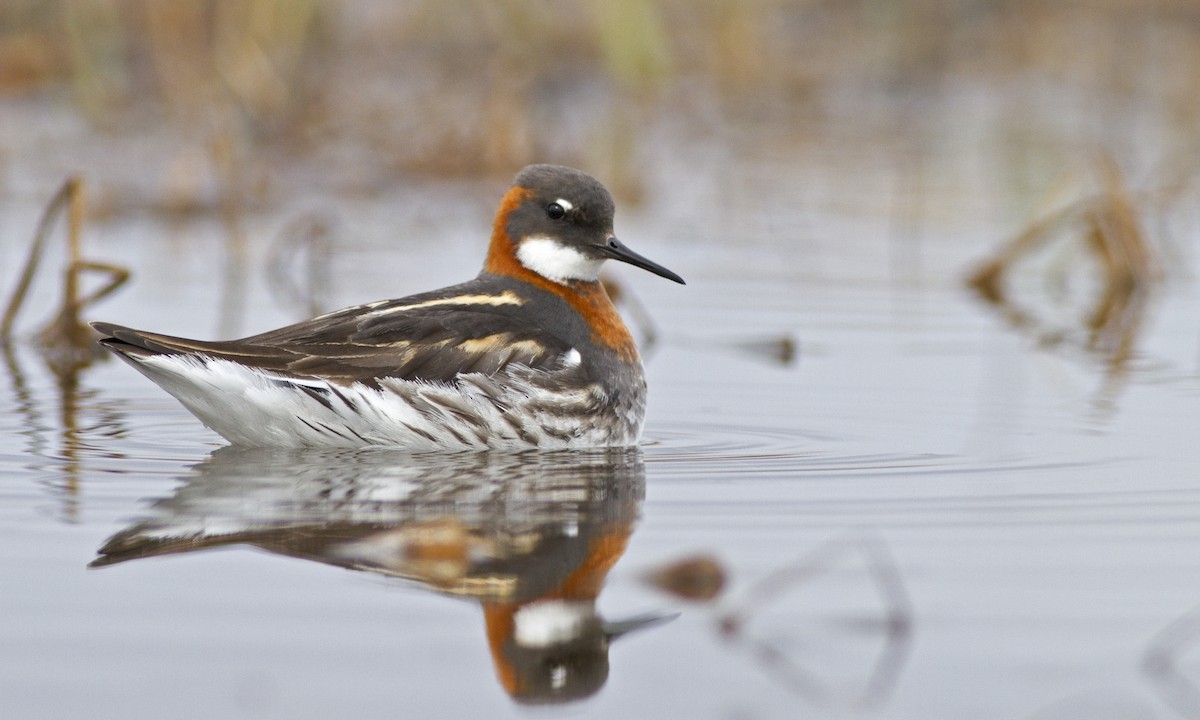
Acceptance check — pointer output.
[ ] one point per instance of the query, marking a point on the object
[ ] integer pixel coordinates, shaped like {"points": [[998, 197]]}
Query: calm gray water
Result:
{"points": [[925, 513]]}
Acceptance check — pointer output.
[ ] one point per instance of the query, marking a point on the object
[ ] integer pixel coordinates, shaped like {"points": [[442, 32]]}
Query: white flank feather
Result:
{"points": [[511, 410]]}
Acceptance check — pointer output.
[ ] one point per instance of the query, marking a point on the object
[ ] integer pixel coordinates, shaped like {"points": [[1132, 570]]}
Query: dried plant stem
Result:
{"points": [[70, 190], [118, 276], [74, 331], [987, 280], [66, 341]]}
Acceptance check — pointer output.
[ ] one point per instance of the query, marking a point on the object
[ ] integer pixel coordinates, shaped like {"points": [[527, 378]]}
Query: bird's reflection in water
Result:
{"points": [[530, 536]]}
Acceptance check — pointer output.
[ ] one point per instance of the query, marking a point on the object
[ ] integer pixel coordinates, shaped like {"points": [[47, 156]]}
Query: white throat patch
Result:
{"points": [[554, 261], [550, 622]]}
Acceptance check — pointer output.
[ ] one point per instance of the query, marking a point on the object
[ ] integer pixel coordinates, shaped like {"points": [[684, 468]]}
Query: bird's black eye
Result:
{"points": [[555, 211]]}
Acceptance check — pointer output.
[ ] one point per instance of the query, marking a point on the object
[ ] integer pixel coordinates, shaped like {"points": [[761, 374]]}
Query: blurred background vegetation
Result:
{"points": [[176, 105], [867, 141]]}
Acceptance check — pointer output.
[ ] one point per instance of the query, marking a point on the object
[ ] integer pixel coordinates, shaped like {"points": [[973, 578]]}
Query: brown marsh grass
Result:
{"points": [[466, 87]]}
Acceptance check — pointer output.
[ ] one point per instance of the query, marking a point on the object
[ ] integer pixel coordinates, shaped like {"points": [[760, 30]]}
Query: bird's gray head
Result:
{"points": [[558, 223]]}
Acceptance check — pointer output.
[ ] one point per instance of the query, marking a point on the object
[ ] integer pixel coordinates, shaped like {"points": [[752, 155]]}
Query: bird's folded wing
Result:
{"points": [[436, 344]]}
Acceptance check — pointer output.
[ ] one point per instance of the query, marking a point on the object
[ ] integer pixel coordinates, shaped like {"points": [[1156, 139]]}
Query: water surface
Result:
{"points": [[921, 510]]}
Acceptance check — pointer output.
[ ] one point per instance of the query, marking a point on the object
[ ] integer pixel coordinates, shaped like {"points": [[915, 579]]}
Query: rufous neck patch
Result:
{"points": [[588, 298], [502, 252], [591, 300], [499, 620]]}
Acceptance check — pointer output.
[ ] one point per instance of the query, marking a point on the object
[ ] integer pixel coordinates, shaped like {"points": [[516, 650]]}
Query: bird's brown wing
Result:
{"points": [[362, 344]]}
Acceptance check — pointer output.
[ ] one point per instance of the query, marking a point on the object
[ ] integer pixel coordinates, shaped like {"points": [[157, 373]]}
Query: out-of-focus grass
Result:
{"points": [[472, 87]]}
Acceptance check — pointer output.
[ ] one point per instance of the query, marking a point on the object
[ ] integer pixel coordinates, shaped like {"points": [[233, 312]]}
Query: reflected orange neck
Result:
{"points": [[583, 584]]}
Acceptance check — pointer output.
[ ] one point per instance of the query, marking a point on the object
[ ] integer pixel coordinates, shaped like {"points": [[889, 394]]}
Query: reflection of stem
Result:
{"points": [[68, 386], [24, 399], [1116, 326], [1161, 664], [897, 623], [68, 397]]}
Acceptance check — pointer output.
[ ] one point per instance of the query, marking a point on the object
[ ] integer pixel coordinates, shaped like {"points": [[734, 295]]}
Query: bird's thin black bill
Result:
{"points": [[616, 250], [618, 628]]}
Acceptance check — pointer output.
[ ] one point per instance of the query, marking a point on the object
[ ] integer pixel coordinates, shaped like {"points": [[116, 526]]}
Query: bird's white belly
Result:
{"points": [[518, 408]]}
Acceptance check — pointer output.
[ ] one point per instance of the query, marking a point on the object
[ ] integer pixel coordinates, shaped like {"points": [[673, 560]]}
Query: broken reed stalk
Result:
{"points": [[65, 335], [118, 276], [1110, 228], [67, 341], [69, 190], [74, 229], [1117, 231], [988, 279]]}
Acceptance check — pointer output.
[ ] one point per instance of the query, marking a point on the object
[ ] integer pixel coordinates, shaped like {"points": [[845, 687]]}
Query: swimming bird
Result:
{"points": [[530, 353]]}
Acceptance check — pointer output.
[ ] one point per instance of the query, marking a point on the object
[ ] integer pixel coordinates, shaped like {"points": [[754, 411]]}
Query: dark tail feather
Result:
{"points": [[126, 341], [138, 343]]}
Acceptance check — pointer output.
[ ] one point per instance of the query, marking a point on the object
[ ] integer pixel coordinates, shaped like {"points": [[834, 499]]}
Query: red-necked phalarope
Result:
{"points": [[531, 353]]}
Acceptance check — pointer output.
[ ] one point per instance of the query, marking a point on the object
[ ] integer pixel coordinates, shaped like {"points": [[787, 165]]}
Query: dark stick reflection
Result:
{"points": [[893, 627], [37, 424], [1164, 664]]}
